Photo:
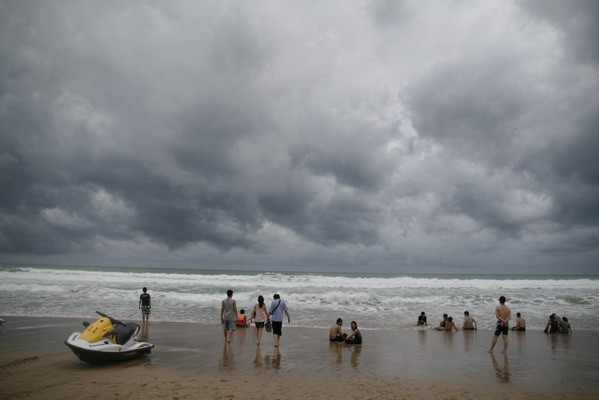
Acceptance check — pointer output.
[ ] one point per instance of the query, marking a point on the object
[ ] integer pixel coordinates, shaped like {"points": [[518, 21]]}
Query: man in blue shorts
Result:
{"points": [[503, 315]]}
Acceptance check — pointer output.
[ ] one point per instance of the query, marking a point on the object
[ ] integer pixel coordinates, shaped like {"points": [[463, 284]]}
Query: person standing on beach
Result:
{"points": [[145, 304], [259, 315], [503, 315], [228, 315], [277, 308]]}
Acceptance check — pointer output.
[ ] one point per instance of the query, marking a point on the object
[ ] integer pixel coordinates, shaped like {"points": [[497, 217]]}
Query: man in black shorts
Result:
{"points": [[503, 315], [145, 304]]}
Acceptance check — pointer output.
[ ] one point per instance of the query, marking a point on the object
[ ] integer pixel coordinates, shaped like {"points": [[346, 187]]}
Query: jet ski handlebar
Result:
{"points": [[112, 320]]}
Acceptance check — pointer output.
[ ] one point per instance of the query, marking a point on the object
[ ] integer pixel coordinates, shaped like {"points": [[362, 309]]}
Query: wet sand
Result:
{"points": [[191, 361]]}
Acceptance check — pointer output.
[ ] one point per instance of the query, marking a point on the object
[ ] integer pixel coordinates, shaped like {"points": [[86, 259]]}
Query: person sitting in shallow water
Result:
{"points": [[564, 327], [449, 325], [355, 337], [469, 322], [421, 319], [336, 333], [552, 325], [441, 326], [520, 323], [241, 320]]}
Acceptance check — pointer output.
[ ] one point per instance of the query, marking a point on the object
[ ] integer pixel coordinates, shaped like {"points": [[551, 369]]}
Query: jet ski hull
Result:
{"points": [[106, 351], [108, 340]]}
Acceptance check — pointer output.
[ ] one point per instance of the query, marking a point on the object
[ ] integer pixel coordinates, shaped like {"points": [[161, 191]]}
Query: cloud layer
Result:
{"points": [[374, 136]]}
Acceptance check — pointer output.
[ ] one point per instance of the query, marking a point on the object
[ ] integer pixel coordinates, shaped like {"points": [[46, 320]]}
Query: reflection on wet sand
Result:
{"points": [[144, 334], [335, 350], [273, 361], [258, 362], [448, 340], [502, 373], [227, 361], [355, 350], [520, 338], [422, 337], [241, 333], [469, 336], [558, 341]]}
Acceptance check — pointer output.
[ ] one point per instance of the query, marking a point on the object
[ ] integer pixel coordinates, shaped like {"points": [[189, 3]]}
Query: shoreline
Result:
{"points": [[400, 329], [417, 364]]}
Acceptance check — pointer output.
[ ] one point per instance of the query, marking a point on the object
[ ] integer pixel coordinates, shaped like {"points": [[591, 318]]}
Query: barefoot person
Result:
{"points": [[145, 304], [336, 333], [277, 308], [228, 315], [503, 315], [259, 315]]}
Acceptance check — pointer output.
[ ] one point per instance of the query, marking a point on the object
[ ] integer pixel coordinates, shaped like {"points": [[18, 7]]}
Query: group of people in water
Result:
{"points": [[469, 323], [555, 324], [503, 314], [271, 318]]}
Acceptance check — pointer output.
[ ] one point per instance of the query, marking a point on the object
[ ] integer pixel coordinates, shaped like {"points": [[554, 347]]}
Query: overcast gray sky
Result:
{"points": [[367, 136]]}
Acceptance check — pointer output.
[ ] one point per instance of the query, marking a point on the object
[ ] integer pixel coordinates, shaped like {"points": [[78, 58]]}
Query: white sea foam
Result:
{"points": [[378, 301]]}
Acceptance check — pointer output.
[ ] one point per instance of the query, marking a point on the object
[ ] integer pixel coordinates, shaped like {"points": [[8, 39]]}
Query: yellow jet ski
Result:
{"points": [[107, 340]]}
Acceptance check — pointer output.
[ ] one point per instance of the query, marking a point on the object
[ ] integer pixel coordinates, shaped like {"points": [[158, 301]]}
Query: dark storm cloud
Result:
{"points": [[503, 113], [93, 110], [383, 134]]}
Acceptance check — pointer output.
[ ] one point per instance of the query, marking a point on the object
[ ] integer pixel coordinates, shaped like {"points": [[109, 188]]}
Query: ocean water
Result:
{"points": [[376, 301]]}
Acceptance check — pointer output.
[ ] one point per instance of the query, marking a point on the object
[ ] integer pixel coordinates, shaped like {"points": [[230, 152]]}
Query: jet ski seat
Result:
{"points": [[124, 332]]}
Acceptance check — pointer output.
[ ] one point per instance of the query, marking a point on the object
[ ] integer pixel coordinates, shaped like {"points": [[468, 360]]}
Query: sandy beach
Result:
{"points": [[191, 361]]}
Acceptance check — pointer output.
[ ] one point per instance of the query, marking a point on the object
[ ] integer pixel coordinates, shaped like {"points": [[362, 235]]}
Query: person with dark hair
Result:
{"points": [[450, 325], [520, 323], [228, 315], [503, 315], [277, 308], [441, 326], [564, 327], [241, 321], [421, 319], [355, 337], [469, 322], [145, 304], [259, 315], [552, 325], [336, 333]]}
